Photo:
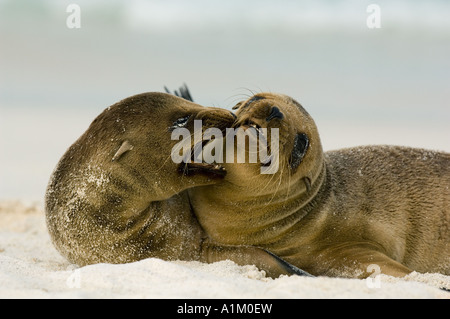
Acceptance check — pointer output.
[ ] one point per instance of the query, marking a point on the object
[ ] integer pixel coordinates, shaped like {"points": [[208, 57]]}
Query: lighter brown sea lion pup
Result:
{"points": [[117, 197], [343, 213]]}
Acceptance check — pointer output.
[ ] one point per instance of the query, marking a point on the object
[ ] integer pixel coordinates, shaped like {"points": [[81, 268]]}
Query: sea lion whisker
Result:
{"points": [[237, 97], [280, 179], [252, 93], [268, 183]]}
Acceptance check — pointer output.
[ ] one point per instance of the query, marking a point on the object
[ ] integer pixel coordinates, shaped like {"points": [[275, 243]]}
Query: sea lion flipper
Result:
{"points": [[183, 93], [295, 270], [273, 265], [362, 260]]}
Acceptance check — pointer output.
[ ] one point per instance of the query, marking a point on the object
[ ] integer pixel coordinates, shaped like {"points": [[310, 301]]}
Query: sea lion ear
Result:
{"points": [[301, 144], [125, 147], [236, 106]]}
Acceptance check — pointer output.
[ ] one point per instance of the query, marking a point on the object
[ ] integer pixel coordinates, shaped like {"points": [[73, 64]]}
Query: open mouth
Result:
{"points": [[205, 157], [195, 167]]}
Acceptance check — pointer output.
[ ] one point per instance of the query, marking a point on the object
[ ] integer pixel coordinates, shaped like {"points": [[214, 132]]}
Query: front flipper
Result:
{"points": [[356, 260], [273, 265]]}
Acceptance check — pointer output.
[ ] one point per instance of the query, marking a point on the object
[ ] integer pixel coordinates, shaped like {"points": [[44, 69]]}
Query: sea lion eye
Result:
{"points": [[301, 144], [180, 123]]}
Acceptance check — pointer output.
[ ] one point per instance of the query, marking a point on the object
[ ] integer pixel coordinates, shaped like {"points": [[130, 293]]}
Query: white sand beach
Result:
{"points": [[30, 267], [362, 86]]}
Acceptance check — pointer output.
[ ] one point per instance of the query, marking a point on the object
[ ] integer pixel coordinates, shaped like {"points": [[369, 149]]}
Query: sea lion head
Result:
{"points": [[295, 154], [118, 178], [140, 136]]}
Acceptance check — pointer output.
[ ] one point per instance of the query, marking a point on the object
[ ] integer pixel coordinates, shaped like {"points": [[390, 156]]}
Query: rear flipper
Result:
{"points": [[290, 268], [273, 265]]}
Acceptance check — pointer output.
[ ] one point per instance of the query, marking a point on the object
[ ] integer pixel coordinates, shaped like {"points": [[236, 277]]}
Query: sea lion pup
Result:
{"points": [[343, 213], [117, 197]]}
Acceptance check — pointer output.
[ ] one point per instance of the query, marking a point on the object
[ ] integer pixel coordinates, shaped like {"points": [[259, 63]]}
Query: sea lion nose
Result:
{"points": [[275, 113]]}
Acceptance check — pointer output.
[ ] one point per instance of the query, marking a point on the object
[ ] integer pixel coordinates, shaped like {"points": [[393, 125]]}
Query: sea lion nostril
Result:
{"points": [[275, 113]]}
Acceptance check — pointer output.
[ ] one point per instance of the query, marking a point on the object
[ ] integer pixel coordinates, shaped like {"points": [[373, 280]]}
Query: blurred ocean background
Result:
{"points": [[363, 86]]}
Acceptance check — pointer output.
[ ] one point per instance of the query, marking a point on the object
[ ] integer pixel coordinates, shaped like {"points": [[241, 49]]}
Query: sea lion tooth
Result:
{"points": [[125, 147]]}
